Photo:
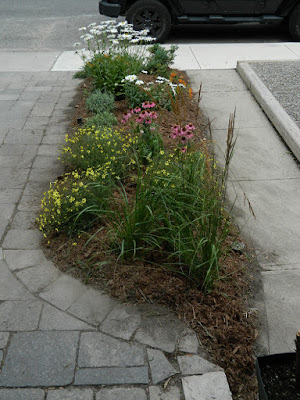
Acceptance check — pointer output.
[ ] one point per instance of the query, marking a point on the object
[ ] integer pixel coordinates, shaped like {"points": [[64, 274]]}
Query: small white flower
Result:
{"points": [[111, 36], [144, 32], [92, 24], [113, 30], [115, 41], [150, 83], [124, 23], [149, 39], [139, 82], [131, 78], [135, 40], [181, 85], [83, 28], [76, 44], [145, 72]]}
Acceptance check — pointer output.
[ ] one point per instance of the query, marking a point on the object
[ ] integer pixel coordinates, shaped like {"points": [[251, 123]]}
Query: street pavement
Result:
{"points": [[60, 339]]}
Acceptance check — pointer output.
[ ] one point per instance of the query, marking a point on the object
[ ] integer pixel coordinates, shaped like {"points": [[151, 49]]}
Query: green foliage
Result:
{"points": [[95, 148], [160, 59], [63, 204], [98, 102], [134, 95], [104, 119], [108, 71]]}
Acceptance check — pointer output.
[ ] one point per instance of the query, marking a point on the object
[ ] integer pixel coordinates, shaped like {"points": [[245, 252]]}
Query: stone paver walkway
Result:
{"points": [[60, 339]]}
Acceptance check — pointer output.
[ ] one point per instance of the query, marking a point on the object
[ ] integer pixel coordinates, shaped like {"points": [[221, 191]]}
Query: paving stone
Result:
{"points": [[161, 332], [6, 212], [40, 359], [53, 139], [112, 376], [63, 292], [36, 122], [49, 98], [10, 178], [42, 109], [16, 162], [193, 365], [10, 287], [99, 350], [188, 343], [55, 130], [24, 136], [22, 394], [18, 149], [45, 174], [45, 162], [20, 315], [122, 322], [48, 150], [30, 203], [38, 277], [20, 259], [1, 254], [160, 367], [22, 239], [36, 188], [210, 386], [56, 320], [4, 336], [70, 394], [121, 394], [157, 393], [24, 220], [93, 306]]}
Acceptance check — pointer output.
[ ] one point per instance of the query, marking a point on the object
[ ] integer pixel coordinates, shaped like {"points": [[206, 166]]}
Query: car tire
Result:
{"points": [[294, 23], [150, 14]]}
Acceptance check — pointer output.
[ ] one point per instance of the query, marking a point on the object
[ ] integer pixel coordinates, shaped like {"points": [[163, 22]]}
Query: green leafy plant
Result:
{"points": [[90, 147], [98, 102], [104, 119], [160, 59]]}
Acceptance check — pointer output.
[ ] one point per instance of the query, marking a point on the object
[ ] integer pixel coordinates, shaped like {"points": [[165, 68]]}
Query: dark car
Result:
{"points": [[159, 15]]}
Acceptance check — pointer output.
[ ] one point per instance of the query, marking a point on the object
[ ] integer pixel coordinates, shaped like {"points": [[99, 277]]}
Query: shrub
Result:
{"points": [[99, 120], [99, 102], [63, 204], [160, 59], [94, 148]]}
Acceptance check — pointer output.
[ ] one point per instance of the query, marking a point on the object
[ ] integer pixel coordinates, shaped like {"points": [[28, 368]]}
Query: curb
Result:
{"points": [[284, 124]]}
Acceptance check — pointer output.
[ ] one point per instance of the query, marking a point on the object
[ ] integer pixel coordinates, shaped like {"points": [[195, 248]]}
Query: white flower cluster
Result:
{"points": [[159, 79], [112, 35]]}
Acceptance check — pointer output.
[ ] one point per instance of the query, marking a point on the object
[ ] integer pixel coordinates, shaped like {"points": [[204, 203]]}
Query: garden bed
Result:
{"points": [[140, 211]]}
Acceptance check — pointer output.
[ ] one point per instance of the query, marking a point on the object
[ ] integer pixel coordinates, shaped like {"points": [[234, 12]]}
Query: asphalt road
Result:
{"points": [[53, 25]]}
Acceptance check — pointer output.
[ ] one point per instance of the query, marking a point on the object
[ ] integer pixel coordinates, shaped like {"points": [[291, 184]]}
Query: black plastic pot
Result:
{"points": [[270, 361]]}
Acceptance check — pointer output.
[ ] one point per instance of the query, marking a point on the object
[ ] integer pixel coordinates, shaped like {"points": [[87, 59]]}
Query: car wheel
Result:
{"points": [[150, 14], [294, 23]]}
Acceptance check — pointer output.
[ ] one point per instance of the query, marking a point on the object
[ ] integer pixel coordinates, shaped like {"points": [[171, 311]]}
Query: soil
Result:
{"points": [[279, 380], [223, 318]]}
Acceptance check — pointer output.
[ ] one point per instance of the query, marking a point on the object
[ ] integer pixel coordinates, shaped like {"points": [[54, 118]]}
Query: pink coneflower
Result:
{"points": [[137, 110], [190, 127], [183, 149], [183, 131], [146, 104], [147, 121]]}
